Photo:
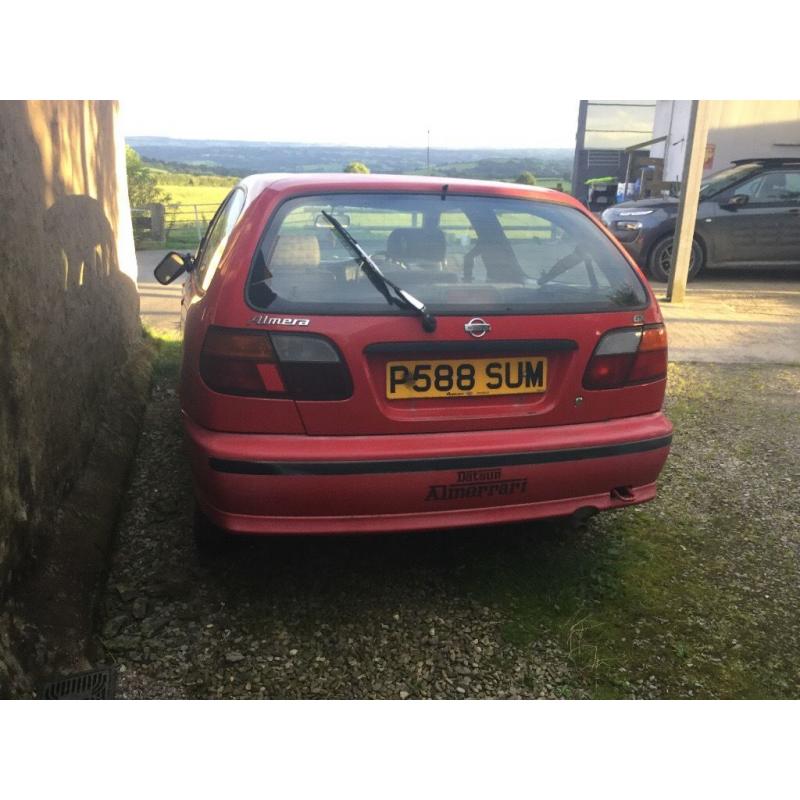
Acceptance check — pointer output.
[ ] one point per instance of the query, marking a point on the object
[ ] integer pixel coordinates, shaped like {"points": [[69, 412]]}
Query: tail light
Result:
{"points": [[628, 356], [257, 364]]}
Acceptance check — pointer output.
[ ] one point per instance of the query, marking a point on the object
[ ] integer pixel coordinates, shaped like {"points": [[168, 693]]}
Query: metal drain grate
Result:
{"points": [[97, 684]]}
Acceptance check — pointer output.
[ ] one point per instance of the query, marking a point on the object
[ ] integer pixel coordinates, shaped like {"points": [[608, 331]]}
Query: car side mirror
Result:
{"points": [[172, 266], [737, 201]]}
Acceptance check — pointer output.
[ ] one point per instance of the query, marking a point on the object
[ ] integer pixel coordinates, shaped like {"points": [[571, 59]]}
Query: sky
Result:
{"points": [[497, 73], [396, 116], [360, 73]]}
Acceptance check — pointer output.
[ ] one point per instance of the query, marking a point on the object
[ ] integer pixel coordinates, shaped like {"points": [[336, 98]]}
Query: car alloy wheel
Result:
{"points": [[661, 259]]}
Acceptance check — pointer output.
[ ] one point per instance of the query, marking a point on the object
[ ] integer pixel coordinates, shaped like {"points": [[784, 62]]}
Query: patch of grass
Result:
{"points": [[169, 351], [694, 594]]}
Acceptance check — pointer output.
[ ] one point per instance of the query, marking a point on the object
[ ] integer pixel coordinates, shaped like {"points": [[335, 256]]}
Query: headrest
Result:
{"points": [[294, 252], [416, 244]]}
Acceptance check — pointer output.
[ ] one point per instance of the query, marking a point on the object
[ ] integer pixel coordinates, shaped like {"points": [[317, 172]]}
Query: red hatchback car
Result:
{"points": [[384, 353]]}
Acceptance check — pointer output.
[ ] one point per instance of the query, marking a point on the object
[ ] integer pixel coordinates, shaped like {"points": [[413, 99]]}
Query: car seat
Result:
{"points": [[295, 268], [418, 247]]}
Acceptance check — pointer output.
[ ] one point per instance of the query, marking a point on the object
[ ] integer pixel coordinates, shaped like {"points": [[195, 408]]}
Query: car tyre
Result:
{"points": [[209, 539], [658, 263]]}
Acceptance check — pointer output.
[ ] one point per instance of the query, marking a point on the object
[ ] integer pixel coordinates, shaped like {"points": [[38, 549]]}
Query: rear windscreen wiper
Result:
{"points": [[391, 291]]}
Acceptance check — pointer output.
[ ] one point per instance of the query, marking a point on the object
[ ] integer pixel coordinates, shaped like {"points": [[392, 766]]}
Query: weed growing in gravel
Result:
{"points": [[169, 347]]}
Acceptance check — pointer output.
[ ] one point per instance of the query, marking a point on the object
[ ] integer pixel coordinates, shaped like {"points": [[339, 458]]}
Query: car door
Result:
{"points": [[788, 209], [766, 228]]}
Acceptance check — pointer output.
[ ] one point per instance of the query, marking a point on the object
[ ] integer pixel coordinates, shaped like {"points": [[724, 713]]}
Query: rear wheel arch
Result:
{"points": [[704, 250]]}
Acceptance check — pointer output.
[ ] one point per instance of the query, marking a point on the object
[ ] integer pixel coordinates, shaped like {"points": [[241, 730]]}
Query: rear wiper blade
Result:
{"points": [[391, 291]]}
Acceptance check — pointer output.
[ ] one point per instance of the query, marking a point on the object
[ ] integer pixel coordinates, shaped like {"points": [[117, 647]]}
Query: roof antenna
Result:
{"points": [[428, 161], [444, 190]]}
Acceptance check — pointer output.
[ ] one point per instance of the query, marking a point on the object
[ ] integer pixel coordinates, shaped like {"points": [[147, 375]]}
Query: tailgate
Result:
{"points": [[527, 372]]}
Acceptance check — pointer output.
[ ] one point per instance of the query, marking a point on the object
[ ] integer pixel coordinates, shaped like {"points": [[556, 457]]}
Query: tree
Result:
{"points": [[142, 185], [526, 177], [357, 166]]}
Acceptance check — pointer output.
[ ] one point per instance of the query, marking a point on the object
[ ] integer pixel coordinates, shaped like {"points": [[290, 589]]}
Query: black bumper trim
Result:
{"points": [[505, 347], [431, 464]]}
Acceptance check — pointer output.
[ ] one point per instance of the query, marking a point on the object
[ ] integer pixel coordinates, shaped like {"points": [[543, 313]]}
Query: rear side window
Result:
{"points": [[772, 187], [461, 254], [217, 237]]}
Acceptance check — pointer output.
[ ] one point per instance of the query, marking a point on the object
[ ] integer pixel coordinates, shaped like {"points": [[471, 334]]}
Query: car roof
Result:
{"points": [[768, 162], [305, 183]]}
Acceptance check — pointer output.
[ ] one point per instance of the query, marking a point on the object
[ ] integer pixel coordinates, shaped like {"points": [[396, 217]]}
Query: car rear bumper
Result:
{"points": [[265, 484]]}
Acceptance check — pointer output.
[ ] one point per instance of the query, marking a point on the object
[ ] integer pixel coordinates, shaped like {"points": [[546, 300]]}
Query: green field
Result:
{"points": [[193, 199], [191, 195], [186, 189], [206, 192]]}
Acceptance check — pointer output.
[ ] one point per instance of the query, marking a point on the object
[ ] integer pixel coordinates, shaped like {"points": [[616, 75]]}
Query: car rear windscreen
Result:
{"points": [[461, 254]]}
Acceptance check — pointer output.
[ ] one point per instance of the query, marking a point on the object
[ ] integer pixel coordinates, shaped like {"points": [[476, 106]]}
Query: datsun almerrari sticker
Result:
{"points": [[477, 483]]}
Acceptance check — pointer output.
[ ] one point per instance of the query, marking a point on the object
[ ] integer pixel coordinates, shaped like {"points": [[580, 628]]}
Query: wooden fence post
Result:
{"points": [[687, 207], [197, 225]]}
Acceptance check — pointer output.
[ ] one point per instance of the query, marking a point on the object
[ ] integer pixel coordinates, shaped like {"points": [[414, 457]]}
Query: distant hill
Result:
{"points": [[245, 158]]}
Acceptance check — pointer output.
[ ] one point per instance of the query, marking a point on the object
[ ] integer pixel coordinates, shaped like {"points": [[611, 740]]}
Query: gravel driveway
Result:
{"points": [[637, 605], [348, 617]]}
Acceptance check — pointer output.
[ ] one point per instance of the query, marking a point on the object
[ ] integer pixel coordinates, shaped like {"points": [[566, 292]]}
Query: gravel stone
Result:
{"points": [[123, 643], [126, 593], [140, 608], [152, 625], [114, 625]]}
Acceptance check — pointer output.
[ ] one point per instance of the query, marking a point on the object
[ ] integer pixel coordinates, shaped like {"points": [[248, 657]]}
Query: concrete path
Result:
{"points": [[729, 316], [732, 317], [160, 306]]}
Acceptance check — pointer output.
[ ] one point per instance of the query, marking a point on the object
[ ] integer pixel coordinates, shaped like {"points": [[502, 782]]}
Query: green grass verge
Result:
{"points": [[169, 350], [696, 593]]}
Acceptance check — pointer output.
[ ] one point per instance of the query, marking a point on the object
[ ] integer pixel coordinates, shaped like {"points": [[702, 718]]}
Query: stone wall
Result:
{"points": [[68, 313]]}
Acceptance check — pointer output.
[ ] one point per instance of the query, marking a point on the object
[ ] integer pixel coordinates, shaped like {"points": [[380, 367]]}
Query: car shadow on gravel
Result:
{"points": [[344, 575], [370, 561]]}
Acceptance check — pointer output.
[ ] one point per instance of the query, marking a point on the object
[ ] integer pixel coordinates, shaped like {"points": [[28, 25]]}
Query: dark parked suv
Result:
{"points": [[749, 214]]}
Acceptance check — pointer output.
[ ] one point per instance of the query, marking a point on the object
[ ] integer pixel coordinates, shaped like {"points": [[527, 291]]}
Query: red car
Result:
{"points": [[384, 353]]}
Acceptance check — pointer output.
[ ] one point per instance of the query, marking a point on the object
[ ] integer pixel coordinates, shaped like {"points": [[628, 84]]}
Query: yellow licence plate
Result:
{"points": [[474, 377]]}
